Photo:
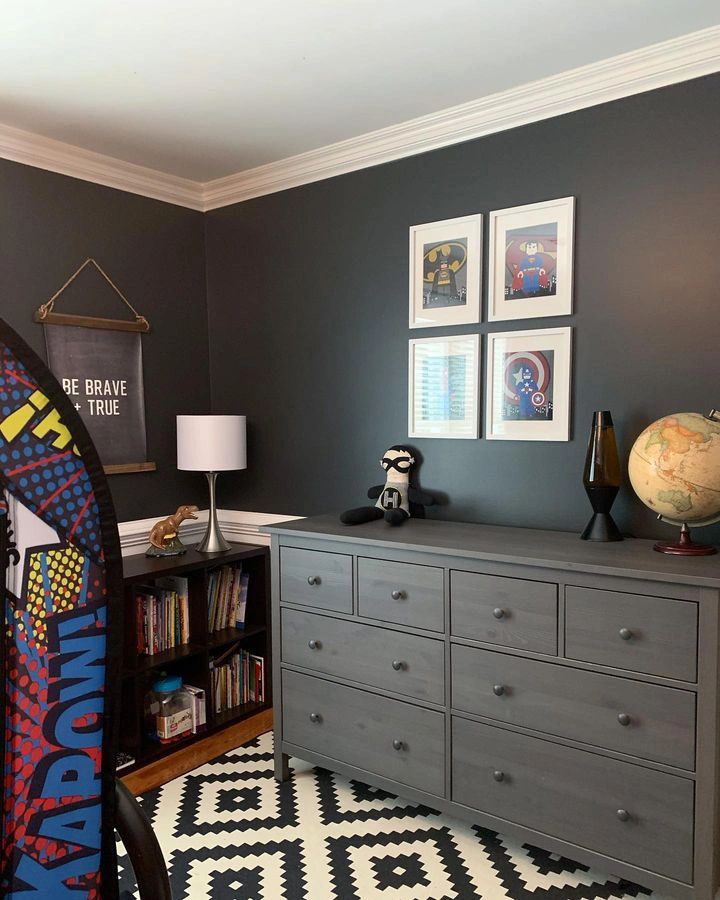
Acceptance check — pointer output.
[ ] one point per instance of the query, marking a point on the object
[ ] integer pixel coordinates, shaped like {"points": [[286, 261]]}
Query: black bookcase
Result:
{"points": [[193, 660]]}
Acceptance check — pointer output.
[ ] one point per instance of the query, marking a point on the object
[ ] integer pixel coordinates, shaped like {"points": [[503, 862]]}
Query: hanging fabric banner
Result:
{"points": [[101, 372], [99, 364]]}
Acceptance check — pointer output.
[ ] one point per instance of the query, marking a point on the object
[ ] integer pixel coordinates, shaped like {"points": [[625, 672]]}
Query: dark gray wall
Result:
{"points": [[154, 251], [307, 296]]}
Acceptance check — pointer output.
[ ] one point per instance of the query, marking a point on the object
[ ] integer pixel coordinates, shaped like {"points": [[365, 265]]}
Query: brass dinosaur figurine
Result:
{"points": [[164, 540]]}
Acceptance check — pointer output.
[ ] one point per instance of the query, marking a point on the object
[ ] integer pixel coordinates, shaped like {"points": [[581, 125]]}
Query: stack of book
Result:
{"points": [[227, 598], [162, 616], [237, 677]]}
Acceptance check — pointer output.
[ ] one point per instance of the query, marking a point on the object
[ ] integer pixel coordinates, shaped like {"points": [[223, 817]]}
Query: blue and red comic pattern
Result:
{"points": [[55, 634]]}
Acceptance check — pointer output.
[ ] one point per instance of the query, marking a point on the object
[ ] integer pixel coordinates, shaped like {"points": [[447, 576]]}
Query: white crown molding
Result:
{"points": [[56, 156], [658, 65], [236, 525]]}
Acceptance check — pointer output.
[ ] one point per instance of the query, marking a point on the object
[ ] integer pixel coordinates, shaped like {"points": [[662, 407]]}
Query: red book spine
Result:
{"points": [[155, 627], [139, 639]]}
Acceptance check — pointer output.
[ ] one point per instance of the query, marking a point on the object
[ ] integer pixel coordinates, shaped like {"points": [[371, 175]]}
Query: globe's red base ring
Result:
{"points": [[687, 548]]}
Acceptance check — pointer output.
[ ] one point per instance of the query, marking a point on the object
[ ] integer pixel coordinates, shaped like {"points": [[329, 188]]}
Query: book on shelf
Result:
{"points": [[162, 616], [199, 714], [227, 597], [237, 677]]}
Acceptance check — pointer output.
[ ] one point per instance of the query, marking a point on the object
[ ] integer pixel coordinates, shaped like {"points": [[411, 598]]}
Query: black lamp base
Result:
{"points": [[601, 528]]}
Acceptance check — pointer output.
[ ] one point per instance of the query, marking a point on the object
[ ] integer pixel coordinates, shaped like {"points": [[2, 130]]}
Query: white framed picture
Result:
{"points": [[530, 266], [445, 272], [528, 385], [443, 386]]}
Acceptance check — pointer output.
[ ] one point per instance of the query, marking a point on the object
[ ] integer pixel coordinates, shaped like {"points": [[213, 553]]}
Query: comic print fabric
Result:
{"points": [[56, 813]]}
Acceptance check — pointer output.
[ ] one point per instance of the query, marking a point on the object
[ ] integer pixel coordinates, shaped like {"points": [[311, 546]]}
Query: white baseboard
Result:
{"points": [[237, 525]]}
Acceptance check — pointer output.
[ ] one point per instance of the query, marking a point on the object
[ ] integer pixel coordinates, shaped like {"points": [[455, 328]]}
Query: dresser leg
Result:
{"points": [[282, 769]]}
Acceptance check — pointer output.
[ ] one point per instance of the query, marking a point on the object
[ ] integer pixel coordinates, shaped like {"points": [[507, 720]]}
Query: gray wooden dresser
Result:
{"points": [[562, 692]]}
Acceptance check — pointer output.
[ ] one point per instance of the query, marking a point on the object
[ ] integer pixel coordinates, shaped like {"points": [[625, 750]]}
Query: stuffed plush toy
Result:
{"points": [[397, 499]]}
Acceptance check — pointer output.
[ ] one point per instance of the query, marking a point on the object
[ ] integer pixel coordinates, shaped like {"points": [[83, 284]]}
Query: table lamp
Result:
{"points": [[211, 444]]}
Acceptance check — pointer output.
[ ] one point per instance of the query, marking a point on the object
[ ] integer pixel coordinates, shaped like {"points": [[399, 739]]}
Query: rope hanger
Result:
{"points": [[45, 312]]}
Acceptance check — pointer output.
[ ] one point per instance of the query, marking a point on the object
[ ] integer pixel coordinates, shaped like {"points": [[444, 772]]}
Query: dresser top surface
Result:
{"points": [[632, 557]]}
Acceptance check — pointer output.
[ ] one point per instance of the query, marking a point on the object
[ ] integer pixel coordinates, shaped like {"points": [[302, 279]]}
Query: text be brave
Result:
{"points": [[102, 394]]}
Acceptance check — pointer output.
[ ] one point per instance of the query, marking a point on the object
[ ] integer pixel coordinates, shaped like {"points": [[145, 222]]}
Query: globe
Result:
{"points": [[674, 468]]}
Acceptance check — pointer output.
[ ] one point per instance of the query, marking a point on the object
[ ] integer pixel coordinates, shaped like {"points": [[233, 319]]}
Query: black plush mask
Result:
{"points": [[401, 464]]}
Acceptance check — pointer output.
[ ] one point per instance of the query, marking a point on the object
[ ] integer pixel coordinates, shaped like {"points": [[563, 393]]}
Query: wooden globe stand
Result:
{"points": [[685, 546]]}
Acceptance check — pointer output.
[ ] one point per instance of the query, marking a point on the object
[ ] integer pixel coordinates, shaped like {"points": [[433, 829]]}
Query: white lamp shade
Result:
{"points": [[211, 443]]}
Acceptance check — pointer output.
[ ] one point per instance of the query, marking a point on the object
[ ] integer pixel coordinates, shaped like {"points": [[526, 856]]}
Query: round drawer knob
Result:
{"points": [[398, 664], [398, 745], [315, 717], [499, 612], [499, 775], [314, 645], [498, 690], [624, 718], [313, 579], [398, 595], [625, 634], [623, 815]]}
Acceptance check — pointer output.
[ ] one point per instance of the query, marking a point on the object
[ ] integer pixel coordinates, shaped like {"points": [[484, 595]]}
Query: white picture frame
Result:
{"points": [[457, 300], [533, 285], [443, 387], [522, 415]]}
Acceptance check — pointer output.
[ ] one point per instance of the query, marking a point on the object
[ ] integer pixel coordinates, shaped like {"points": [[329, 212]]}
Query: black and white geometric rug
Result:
{"points": [[230, 832]]}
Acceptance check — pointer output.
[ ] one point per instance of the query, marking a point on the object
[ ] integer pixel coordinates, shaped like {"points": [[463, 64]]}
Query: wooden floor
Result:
{"points": [[198, 754]]}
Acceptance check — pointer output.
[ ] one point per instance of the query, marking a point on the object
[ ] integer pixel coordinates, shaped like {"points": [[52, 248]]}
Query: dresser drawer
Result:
{"points": [[401, 592], [385, 659], [316, 578], [390, 738], [576, 796], [644, 720], [632, 631], [512, 612]]}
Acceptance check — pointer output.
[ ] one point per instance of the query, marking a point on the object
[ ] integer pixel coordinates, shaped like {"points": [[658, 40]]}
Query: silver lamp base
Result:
{"points": [[213, 541]]}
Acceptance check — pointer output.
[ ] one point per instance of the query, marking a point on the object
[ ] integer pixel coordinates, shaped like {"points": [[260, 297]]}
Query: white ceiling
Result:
{"points": [[207, 88]]}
